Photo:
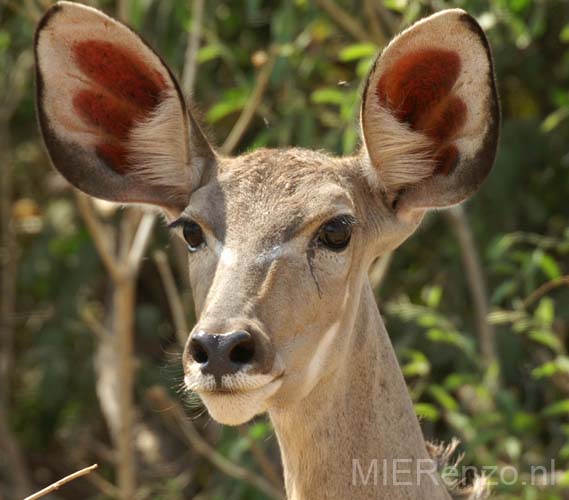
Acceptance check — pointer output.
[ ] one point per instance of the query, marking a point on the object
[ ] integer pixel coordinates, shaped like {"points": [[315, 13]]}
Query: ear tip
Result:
{"points": [[56, 9], [459, 15], [61, 7], [46, 19]]}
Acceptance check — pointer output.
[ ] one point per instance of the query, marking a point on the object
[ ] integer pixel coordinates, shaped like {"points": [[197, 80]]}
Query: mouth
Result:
{"points": [[230, 385], [229, 390], [238, 398]]}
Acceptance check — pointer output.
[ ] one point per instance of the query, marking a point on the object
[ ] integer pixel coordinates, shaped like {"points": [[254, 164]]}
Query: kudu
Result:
{"points": [[280, 241]]}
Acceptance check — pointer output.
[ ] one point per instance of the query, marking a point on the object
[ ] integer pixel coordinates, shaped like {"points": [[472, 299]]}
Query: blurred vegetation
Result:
{"points": [[509, 406]]}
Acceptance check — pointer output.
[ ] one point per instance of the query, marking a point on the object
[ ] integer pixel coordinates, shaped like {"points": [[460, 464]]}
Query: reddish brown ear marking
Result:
{"points": [[120, 71], [446, 159], [114, 155], [105, 112], [125, 90], [417, 89]]}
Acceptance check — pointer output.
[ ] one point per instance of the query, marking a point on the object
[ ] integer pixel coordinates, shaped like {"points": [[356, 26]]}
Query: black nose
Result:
{"points": [[222, 354]]}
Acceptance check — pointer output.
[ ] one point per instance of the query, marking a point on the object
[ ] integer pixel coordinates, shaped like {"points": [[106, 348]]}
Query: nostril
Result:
{"points": [[198, 352], [243, 352]]}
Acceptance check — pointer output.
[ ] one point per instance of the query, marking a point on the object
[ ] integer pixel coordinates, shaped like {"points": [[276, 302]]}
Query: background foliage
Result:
{"points": [[501, 387]]}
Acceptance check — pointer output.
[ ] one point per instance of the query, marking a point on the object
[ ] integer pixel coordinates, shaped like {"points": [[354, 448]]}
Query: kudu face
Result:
{"points": [[287, 240], [280, 240]]}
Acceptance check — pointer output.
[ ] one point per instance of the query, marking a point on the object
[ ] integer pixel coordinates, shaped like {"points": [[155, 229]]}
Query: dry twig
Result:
{"points": [[141, 240], [194, 36], [544, 289], [173, 297], [476, 281], [251, 106], [58, 484], [348, 23], [99, 233]]}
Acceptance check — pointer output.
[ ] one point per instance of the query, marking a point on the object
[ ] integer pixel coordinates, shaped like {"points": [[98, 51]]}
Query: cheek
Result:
{"points": [[309, 297]]}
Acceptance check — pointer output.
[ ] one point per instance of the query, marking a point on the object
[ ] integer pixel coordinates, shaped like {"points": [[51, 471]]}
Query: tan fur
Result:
{"points": [[324, 366], [404, 153], [165, 162]]}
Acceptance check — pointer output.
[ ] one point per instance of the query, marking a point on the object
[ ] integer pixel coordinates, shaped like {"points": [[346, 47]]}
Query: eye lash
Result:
{"points": [[347, 219], [178, 223]]}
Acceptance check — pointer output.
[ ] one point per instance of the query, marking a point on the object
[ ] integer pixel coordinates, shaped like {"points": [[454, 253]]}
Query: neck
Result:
{"points": [[356, 434]]}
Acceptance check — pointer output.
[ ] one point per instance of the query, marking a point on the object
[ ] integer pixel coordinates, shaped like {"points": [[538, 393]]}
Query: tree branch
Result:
{"points": [[55, 486], [252, 104], [191, 59], [99, 234], [376, 29], [544, 289], [476, 282], [348, 23], [141, 239], [173, 297], [123, 328]]}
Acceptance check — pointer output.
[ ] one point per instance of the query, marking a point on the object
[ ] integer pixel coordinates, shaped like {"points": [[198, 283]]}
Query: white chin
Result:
{"points": [[239, 407]]}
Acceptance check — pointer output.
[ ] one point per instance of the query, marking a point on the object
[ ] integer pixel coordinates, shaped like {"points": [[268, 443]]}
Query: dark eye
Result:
{"points": [[193, 235], [336, 233]]}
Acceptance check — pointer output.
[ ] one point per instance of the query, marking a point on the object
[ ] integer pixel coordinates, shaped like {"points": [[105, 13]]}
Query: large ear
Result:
{"points": [[430, 114], [111, 113]]}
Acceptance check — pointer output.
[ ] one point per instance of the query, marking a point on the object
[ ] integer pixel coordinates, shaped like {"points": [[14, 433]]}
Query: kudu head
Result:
{"points": [[279, 241]]}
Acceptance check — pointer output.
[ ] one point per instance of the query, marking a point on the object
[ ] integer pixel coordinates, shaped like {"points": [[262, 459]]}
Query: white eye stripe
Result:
{"points": [[229, 255], [275, 253]]}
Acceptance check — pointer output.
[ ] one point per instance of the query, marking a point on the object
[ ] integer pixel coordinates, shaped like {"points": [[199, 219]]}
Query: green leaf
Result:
{"points": [[364, 67], [452, 338], [545, 311], [443, 398], [417, 366], [231, 102], [500, 246], [554, 119], [209, 52], [357, 51], [462, 423], [5, 39], [259, 430], [431, 295], [559, 365], [549, 267], [557, 409], [397, 5], [564, 452], [563, 480], [506, 289], [546, 338], [328, 96], [456, 380], [428, 319], [350, 140], [524, 422], [427, 411], [564, 35]]}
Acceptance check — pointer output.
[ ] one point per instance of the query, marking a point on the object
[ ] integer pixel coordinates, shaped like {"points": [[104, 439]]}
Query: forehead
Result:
{"points": [[273, 190]]}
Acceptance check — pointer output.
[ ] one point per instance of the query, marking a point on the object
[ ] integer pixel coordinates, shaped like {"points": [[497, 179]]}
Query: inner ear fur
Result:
{"points": [[111, 113], [430, 113]]}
